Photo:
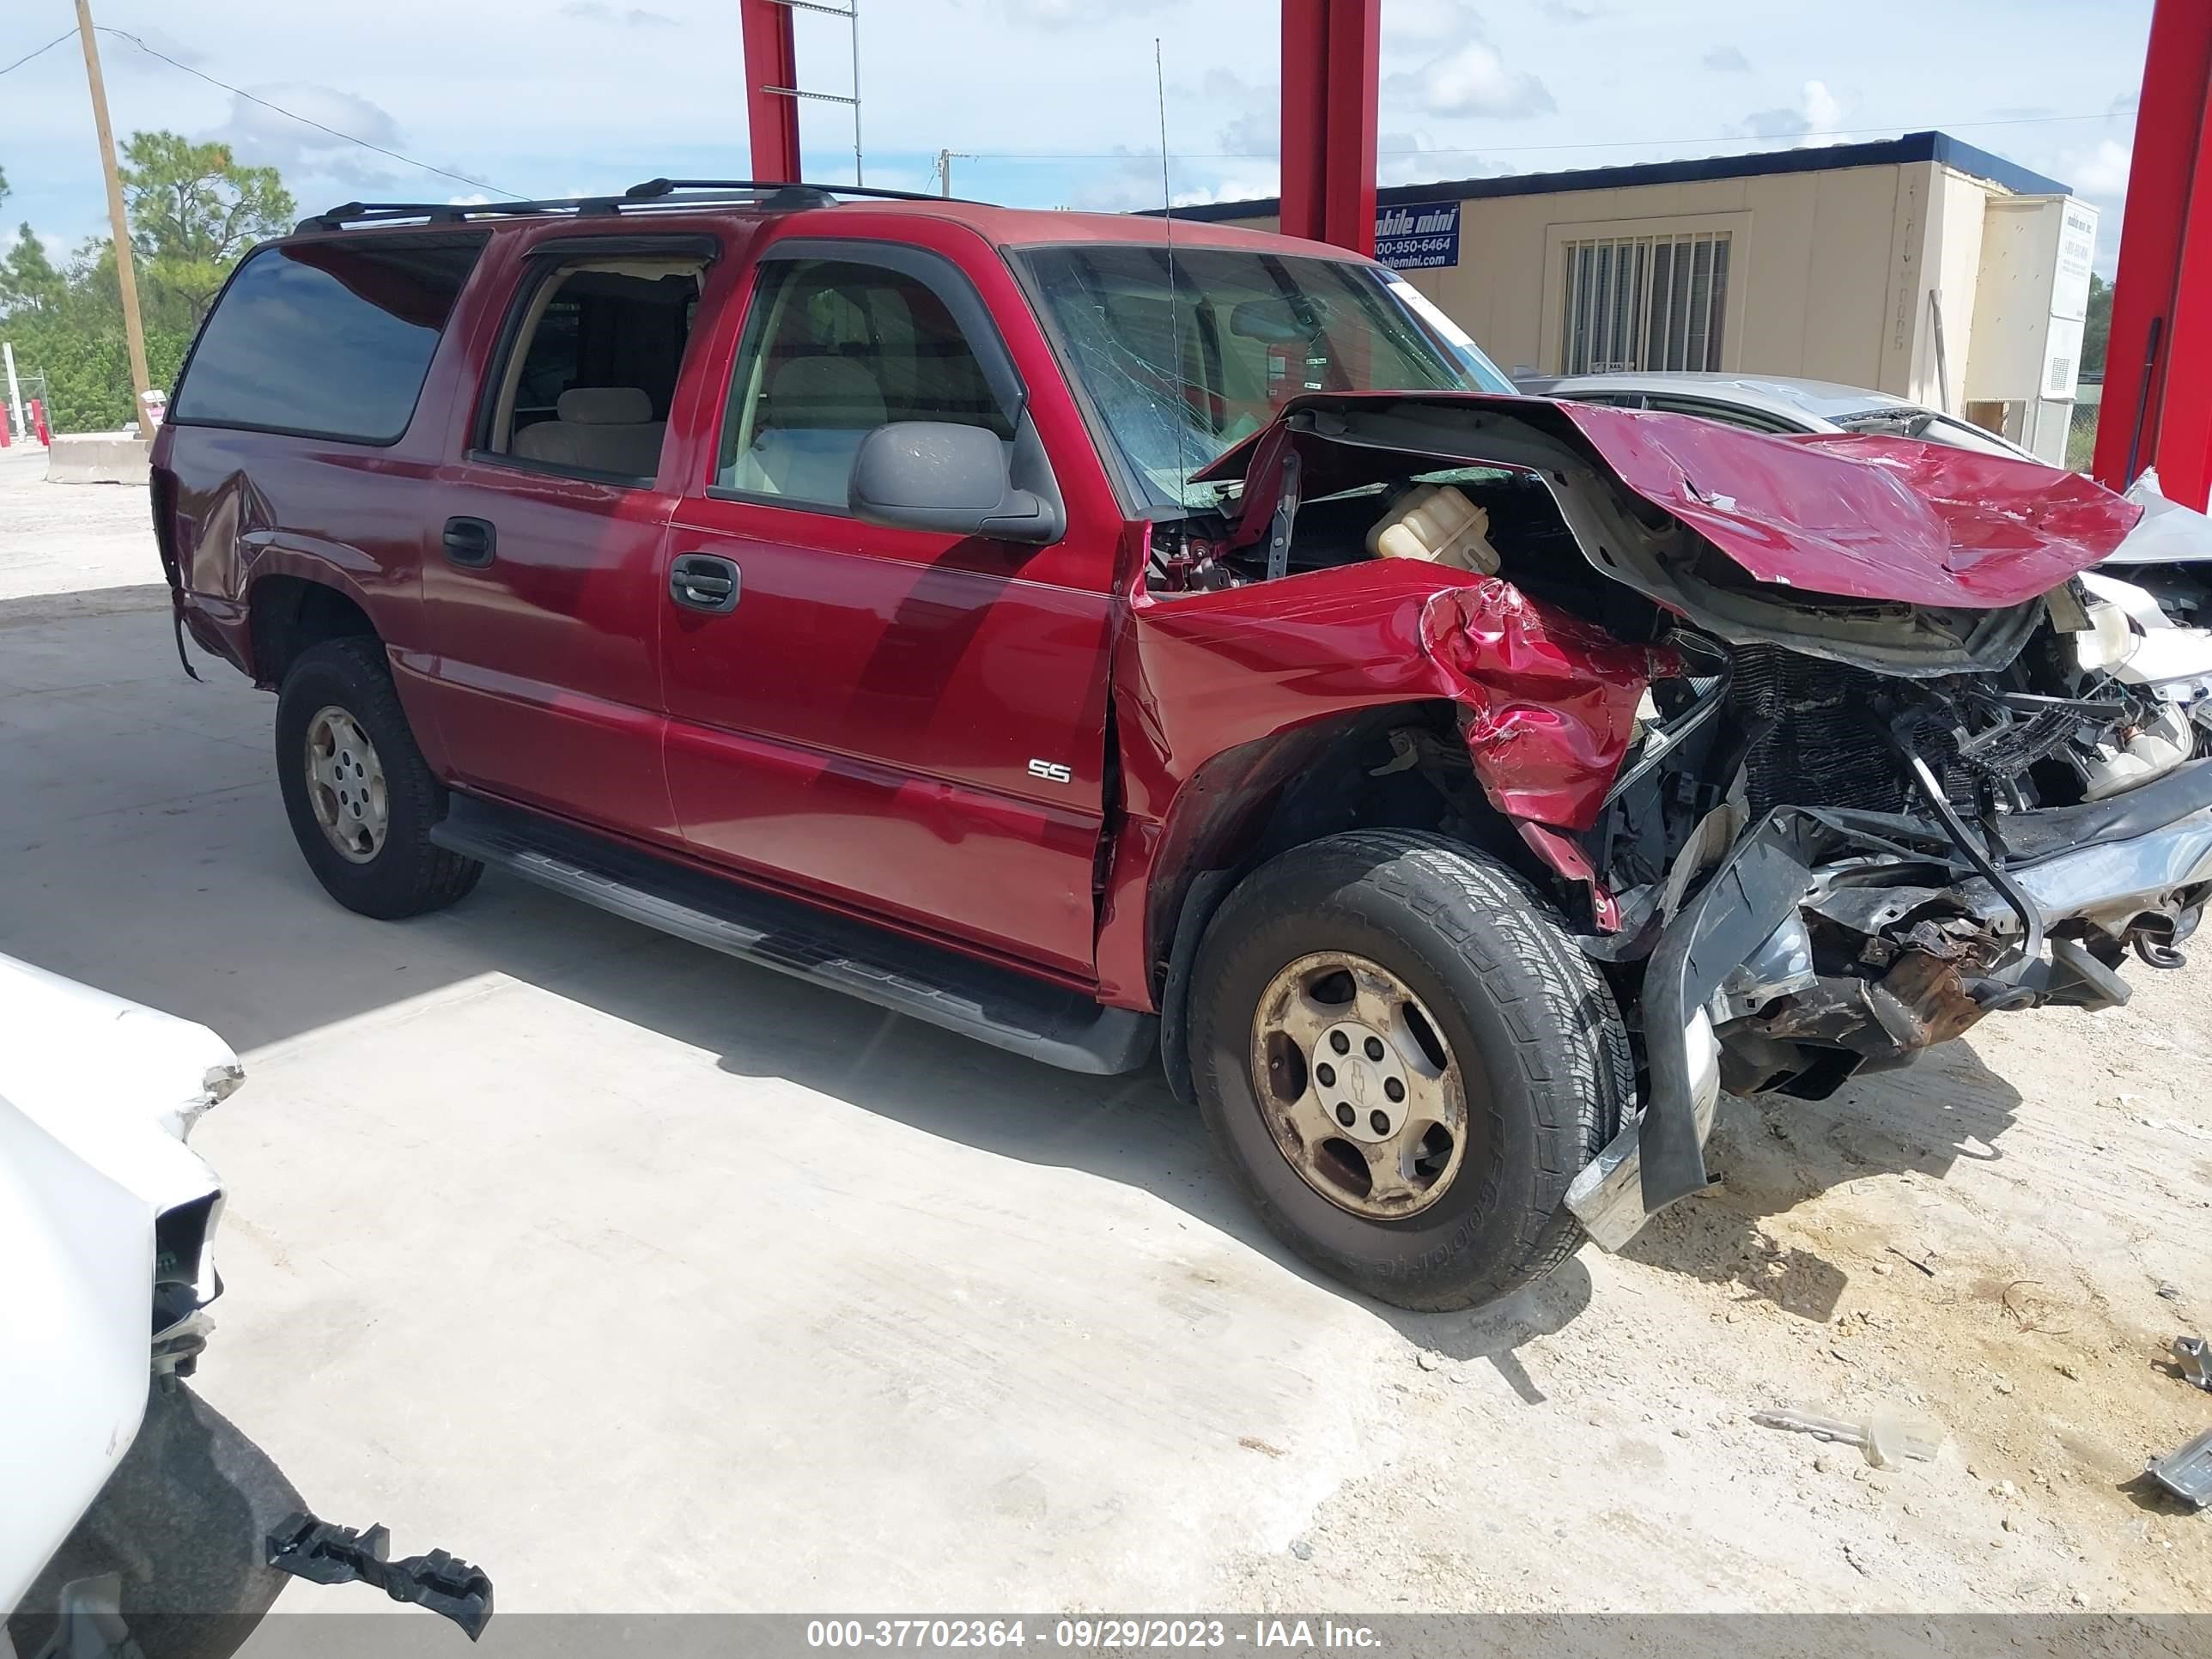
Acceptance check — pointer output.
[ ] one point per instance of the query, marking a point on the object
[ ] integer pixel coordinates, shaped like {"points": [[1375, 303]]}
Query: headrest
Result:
{"points": [[833, 392], [604, 405]]}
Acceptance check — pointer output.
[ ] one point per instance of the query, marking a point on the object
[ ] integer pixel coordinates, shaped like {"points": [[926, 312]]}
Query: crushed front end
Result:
{"points": [[1848, 867], [1890, 772]]}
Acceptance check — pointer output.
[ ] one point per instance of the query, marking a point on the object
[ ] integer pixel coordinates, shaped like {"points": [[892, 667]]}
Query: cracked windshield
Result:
{"points": [[1174, 384]]}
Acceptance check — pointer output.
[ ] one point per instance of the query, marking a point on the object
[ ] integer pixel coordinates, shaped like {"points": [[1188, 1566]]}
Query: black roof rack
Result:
{"points": [[779, 195]]}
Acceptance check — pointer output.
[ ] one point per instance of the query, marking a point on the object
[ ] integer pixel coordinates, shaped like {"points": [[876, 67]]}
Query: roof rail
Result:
{"points": [[782, 195], [654, 188]]}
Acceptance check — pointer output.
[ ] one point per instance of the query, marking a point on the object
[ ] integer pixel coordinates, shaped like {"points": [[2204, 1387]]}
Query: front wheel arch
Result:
{"points": [[1259, 800], [1531, 1027]]}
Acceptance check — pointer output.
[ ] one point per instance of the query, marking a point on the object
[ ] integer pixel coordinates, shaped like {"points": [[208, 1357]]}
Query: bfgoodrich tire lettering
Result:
{"points": [[405, 874], [1526, 1020]]}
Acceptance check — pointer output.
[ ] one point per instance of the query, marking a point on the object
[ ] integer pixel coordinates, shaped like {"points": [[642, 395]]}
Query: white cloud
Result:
{"points": [[56, 242], [1818, 113], [2100, 172], [1134, 183], [1428, 24], [320, 166], [156, 40], [1248, 185], [1254, 133], [1471, 79], [1726, 60], [259, 136], [1254, 112], [634, 17], [1823, 111], [1080, 14], [1410, 158], [1035, 87], [1128, 185], [1558, 11]]}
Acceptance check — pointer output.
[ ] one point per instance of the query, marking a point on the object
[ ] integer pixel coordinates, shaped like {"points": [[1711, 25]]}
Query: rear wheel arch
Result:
{"points": [[361, 799], [289, 614]]}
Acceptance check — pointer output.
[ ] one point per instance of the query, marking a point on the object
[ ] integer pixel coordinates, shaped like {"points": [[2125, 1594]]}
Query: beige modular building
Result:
{"points": [[1918, 266]]}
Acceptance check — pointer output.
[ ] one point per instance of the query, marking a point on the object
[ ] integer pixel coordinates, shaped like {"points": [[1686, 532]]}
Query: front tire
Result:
{"points": [[1405, 1061], [361, 798]]}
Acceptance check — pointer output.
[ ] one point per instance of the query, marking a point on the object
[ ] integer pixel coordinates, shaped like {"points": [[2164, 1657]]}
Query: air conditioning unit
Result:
{"points": [[2030, 300]]}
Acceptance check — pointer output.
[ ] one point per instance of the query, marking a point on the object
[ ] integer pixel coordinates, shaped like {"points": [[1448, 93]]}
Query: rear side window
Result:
{"points": [[596, 345], [328, 339]]}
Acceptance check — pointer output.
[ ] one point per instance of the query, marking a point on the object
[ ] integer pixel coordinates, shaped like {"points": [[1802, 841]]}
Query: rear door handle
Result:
{"points": [[700, 582], [470, 542]]}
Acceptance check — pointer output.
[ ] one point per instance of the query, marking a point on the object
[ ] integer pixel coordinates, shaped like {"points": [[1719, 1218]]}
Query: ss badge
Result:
{"points": [[1051, 772]]}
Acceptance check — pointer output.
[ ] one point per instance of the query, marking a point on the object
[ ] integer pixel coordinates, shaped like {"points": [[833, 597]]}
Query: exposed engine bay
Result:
{"points": [[1909, 701]]}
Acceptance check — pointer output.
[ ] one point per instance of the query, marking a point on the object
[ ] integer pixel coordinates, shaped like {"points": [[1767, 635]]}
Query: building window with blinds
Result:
{"points": [[1645, 303]]}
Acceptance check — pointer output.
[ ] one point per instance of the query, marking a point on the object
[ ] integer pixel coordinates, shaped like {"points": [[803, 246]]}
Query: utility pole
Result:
{"points": [[126, 276], [946, 158]]}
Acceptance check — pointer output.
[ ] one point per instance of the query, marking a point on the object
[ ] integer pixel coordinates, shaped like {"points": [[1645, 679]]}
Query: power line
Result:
{"points": [[41, 52], [1520, 149], [294, 115], [1109, 155]]}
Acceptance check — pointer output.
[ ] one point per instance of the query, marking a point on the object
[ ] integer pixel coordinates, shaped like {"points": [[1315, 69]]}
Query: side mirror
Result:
{"points": [[941, 476]]}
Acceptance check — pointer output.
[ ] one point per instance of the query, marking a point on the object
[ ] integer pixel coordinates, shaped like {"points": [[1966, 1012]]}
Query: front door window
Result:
{"points": [[832, 351]]}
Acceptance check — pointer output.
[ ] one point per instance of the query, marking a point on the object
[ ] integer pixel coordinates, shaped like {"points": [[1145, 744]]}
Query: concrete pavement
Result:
{"points": [[651, 1280], [604, 1259], [64, 538]]}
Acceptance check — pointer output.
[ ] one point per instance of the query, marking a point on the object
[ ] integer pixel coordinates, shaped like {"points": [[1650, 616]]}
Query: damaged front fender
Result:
{"points": [[1547, 706], [1549, 702]]}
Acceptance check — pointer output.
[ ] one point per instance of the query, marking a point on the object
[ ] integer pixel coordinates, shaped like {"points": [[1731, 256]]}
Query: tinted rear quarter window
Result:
{"points": [[330, 339]]}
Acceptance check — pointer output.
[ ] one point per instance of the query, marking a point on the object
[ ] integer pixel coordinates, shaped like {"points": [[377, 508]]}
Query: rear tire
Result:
{"points": [[1500, 1064], [361, 798]]}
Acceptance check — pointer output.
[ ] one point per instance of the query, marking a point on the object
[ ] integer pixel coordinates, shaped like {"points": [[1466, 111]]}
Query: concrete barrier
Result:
{"points": [[97, 459]]}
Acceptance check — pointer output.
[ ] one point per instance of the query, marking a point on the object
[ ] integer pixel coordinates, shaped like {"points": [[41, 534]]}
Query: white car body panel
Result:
{"points": [[96, 1095], [2167, 532], [1795, 403]]}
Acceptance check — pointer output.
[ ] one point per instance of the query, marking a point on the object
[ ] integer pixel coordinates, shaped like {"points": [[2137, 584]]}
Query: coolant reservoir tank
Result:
{"points": [[1436, 522]]}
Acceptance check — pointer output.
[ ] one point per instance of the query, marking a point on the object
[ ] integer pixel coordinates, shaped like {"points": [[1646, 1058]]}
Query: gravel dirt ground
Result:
{"points": [[654, 1281]]}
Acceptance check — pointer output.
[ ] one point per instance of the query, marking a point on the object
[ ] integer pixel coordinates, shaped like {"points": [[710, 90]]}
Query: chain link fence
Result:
{"points": [[2082, 432], [29, 384]]}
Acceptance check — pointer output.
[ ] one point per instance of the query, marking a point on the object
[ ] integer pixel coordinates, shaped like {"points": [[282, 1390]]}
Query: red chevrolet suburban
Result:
{"points": [[1113, 637]]}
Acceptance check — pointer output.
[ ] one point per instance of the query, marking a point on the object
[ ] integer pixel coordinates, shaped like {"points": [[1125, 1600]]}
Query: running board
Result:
{"points": [[996, 1006]]}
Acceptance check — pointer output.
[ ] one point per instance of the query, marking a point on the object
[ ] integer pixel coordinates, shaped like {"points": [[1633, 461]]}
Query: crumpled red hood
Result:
{"points": [[1864, 517]]}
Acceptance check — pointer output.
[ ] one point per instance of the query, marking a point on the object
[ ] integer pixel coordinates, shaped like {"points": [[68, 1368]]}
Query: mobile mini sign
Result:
{"points": [[1418, 235]]}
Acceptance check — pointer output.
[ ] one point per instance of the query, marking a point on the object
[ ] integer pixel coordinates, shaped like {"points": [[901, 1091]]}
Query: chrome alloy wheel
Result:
{"points": [[345, 785], [1362, 1092]]}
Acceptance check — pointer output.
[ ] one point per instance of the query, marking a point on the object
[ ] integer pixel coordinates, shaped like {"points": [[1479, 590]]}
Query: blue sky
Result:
{"points": [[1053, 102]]}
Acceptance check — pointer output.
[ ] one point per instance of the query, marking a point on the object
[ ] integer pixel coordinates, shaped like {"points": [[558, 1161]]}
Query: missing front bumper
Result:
{"points": [[1607, 1196], [1742, 942]]}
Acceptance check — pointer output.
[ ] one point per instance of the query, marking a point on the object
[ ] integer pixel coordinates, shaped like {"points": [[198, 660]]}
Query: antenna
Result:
{"points": [[1175, 316]]}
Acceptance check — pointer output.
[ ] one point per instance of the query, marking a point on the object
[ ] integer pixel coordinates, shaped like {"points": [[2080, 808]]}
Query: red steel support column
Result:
{"points": [[771, 60], [1331, 51], [2161, 414]]}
